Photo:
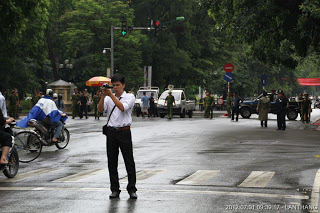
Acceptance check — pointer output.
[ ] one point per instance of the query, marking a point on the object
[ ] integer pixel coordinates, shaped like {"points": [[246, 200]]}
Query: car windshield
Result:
{"points": [[148, 93], [175, 94]]}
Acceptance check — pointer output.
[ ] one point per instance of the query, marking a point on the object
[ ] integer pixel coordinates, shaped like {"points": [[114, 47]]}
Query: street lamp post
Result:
{"points": [[67, 65]]}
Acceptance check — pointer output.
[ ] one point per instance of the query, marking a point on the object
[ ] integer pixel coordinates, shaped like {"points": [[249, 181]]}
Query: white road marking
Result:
{"points": [[22, 176], [315, 192], [245, 194], [142, 175], [257, 179], [77, 177], [199, 177]]}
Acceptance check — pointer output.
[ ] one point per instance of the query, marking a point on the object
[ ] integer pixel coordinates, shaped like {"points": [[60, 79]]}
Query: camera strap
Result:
{"points": [[112, 111]]}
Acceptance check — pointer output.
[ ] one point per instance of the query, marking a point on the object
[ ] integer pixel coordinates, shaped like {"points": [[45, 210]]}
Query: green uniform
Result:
{"points": [[170, 101], [305, 109], [75, 105], [96, 99], [13, 106], [208, 110], [229, 100], [35, 99]]}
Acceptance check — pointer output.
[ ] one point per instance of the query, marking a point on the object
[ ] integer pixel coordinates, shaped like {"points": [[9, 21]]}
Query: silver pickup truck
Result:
{"points": [[182, 107]]}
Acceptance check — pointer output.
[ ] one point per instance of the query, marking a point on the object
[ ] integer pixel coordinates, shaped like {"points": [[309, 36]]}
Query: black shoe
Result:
{"points": [[278, 129], [133, 195], [114, 195], [283, 129]]}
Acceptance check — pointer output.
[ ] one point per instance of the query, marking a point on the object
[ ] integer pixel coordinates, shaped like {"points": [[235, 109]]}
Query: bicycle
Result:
{"points": [[11, 169]]}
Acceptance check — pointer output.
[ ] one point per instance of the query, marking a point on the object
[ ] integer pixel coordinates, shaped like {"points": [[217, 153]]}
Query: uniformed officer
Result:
{"points": [[35, 98], [208, 105], [263, 108], [306, 104], [282, 104], [170, 101], [75, 105], [229, 100], [95, 100], [13, 104]]}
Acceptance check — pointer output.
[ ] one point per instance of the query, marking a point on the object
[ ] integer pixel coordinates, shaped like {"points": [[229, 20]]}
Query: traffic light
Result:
{"points": [[157, 28], [124, 28]]}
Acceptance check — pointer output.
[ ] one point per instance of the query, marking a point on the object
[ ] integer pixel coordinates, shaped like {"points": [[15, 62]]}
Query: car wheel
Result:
{"points": [[292, 114], [245, 112]]}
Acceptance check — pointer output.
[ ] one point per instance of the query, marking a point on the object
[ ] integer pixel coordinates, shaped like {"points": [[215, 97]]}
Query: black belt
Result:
{"points": [[119, 128]]}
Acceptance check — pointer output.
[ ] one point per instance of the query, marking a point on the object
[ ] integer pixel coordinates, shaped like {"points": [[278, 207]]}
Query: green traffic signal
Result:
{"points": [[124, 32]]}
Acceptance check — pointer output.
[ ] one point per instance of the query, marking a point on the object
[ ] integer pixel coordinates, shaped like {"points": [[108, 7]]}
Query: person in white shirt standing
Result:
{"points": [[119, 108]]}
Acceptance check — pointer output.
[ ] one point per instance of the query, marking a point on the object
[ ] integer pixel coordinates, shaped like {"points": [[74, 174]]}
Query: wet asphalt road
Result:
{"points": [[183, 165]]}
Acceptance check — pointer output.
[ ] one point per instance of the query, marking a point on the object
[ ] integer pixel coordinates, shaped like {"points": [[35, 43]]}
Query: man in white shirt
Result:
{"points": [[120, 105], [3, 106]]}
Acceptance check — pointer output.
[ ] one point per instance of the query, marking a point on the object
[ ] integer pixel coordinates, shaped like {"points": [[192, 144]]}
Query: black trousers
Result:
{"points": [[281, 119], [122, 140], [235, 110], [5, 138], [83, 108]]}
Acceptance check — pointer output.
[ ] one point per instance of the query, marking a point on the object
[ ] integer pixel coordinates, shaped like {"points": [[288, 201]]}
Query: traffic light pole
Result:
{"points": [[112, 43]]}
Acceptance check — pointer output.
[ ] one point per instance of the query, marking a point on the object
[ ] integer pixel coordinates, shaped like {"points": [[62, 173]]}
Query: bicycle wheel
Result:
{"points": [[13, 164], [28, 146], [63, 139]]}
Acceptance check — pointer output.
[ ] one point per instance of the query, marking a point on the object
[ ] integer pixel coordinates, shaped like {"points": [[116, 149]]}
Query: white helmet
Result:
{"points": [[55, 95], [49, 92]]}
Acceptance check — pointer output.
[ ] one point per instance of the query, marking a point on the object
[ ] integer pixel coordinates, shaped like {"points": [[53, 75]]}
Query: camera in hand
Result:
{"points": [[107, 86]]}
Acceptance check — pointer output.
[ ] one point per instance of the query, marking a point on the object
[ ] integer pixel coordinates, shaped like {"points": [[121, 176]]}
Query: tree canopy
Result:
{"points": [[276, 38]]}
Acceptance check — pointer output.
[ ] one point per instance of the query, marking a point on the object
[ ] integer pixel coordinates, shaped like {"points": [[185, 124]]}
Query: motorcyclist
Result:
{"points": [[5, 139], [46, 110]]}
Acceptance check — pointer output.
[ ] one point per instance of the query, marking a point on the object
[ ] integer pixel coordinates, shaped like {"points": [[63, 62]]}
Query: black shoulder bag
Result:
{"points": [[105, 127]]}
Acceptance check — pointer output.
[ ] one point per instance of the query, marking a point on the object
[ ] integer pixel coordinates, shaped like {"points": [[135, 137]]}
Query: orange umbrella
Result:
{"points": [[98, 81]]}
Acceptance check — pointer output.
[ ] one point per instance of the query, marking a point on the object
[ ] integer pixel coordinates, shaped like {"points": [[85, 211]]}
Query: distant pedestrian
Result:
{"points": [[95, 101], [13, 104], [34, 98], [170, 102], [152, 110], [60, 103], [300, 100], [75, 103], [208, 105], [83, 101], [3, 105], [229, 101], [263, 108], [201, 104], [306, 106], [282, 104], [235, 106], [144, 101]]}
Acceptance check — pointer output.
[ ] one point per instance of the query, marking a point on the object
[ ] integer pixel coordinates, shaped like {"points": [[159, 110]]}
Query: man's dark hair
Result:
{"points": [[0, 88], [144, 93], [118, 77]]}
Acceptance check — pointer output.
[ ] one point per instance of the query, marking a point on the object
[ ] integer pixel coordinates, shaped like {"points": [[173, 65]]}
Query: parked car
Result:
{"points": [[148, 90], [247, 108]]}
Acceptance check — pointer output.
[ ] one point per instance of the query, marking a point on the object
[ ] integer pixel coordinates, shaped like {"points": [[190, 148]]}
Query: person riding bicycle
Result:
{"points": [[5, 139], [46, 110]]}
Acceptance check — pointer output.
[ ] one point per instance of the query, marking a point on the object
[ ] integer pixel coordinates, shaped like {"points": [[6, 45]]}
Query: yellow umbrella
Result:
{"points": [[98, 81]]}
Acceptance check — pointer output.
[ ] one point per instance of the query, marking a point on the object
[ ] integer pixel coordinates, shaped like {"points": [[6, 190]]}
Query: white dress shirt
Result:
{"points": [[3, 106], [119, 118]]}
